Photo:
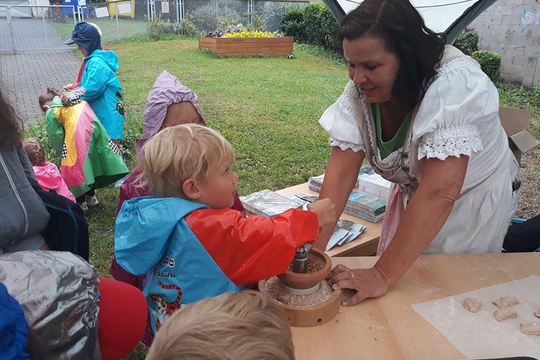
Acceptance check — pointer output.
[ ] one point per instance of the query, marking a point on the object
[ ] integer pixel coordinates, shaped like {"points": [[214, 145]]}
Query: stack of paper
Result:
{"points": [[345, 232], [366, 206], [268, 203]]}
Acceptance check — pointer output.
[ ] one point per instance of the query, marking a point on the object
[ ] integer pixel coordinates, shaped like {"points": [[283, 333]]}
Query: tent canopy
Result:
{"points": [[449, 16]]}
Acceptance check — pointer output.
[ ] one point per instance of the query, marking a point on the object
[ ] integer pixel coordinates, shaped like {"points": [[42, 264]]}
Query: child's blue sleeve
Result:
{"points": [[97, 75], [136, 248]]}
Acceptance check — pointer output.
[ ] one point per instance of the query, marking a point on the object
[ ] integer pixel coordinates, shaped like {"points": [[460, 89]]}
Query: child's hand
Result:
{"points": [[68, 87], [325, 210]]}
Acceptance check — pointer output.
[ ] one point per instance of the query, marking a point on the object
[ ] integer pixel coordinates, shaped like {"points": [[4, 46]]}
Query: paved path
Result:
{"points": [[40, 60]]}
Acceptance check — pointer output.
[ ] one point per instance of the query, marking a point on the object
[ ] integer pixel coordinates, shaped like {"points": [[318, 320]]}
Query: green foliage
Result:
{"points": [[258, 23], [490, 62], [227, 18], [188, 27], [292, 23], [159, 29], [313, 24], [517, 95], [205, 17], [467, 41]]}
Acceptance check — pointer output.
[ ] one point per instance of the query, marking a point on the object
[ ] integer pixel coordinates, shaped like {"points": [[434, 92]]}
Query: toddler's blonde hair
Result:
{"points": [[35, 151], [181, 152], [233, 326]]}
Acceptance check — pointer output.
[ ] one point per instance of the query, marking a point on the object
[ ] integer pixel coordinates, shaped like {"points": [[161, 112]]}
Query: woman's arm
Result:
{"points": [[339, 179], [423, 218]]}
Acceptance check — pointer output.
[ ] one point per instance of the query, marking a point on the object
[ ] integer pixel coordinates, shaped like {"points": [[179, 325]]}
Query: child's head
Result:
{"points": [[237, 326], [47, 97], [190, 161], [35, 151]]}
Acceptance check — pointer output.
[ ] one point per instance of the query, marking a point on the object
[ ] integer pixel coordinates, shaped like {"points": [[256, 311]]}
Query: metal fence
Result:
{"points": [[31, 25]]}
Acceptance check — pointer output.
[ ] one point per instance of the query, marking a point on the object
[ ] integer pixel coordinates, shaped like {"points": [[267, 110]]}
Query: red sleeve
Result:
{"points": [[132, 188], [254, 248]]}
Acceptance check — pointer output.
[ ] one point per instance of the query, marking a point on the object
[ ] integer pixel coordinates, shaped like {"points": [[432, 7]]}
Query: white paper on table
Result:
{"points": [[479, 335]]}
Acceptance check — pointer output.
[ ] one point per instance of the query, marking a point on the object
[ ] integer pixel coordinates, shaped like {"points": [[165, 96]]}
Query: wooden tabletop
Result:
{"points": [[388, 327], [363, 245]]}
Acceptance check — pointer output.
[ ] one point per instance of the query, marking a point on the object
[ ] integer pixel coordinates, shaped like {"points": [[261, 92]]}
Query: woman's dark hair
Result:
{"points": [[404, 32], [47, 96], [10, 124]]}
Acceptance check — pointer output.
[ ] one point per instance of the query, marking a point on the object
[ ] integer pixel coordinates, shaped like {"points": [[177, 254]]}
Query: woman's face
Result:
{"points": [[371, 67]]}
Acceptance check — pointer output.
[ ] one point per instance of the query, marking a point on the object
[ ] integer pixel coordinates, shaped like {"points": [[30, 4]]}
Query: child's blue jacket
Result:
{"points": [[103, 90]]}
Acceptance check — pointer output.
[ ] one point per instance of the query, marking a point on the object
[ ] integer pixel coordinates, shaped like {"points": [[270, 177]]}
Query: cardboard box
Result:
{"points": [[515, 122]]}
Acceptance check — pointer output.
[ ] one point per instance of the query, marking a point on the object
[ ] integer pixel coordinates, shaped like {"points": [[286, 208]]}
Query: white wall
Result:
{"points": [[512, 29]]}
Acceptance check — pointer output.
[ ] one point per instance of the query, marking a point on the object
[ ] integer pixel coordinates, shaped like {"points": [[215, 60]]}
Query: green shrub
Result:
{"points": [[490, 62], [467, 41], [313, 24], [227, 18], [159, 29], [258, 24], [188, 27], [292, 23], [205, 17]]}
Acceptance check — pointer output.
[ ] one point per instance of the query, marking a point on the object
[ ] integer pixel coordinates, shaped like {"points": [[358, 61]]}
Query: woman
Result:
{"points": [[22, 213], [426, 118], [98, 78]]}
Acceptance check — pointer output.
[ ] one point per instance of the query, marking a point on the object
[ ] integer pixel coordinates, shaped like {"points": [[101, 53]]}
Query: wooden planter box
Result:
{"points": [[277, 46]]}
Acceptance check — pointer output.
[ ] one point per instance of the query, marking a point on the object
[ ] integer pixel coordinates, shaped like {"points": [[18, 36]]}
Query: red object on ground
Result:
{"points": [[122, 318]]}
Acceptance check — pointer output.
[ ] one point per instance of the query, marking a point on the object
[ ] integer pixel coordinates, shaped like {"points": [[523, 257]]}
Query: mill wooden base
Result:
{"points": [[312, 316]]}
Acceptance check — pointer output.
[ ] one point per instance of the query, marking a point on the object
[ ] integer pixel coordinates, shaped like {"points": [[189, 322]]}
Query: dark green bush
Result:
{"points": [[490, 62], [292, 23], [467, 41], [313, 24]]}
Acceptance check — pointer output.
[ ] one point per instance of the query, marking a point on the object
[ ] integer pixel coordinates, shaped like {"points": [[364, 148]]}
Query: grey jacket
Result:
{"points": [[22, 213]]}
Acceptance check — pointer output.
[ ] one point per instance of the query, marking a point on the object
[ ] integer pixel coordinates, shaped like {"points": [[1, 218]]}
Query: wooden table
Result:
{"points": [[363, 245], [389, 328]]}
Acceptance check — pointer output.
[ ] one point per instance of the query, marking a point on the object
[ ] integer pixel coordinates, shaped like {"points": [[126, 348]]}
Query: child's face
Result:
{"points": [[219, 190]]}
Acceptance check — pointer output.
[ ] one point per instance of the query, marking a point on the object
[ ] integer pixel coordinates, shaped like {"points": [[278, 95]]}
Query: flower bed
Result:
{"points": [[247, 43]]}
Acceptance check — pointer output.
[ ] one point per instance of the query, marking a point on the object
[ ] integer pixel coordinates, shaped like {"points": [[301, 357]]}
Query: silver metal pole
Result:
{"points": [[11, 29], [117, 24], [178, 11], [74, 15], [45, 29]]}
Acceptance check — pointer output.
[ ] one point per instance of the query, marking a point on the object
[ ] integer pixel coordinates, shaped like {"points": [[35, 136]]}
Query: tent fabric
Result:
{"points": [[450, 16]]}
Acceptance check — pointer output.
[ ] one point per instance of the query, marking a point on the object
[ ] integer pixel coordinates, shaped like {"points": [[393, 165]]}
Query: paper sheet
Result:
{"points": [[479, 335]]}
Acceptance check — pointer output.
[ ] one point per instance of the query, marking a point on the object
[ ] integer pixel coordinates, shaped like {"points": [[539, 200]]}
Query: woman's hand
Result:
{"points": [[368, 283]]}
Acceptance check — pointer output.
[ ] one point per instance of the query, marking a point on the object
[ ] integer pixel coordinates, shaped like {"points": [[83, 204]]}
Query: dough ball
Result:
{"points": [[472, 304], [505, 301], [532, 328], [504, 314], [537, 313]]}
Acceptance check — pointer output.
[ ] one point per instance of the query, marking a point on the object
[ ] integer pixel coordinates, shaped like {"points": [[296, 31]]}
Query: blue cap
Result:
{"points": [[86, 35]]}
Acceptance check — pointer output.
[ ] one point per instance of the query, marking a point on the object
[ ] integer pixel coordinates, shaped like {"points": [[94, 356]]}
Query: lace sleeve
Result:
{"points": [[346, 145], [445, 142]]}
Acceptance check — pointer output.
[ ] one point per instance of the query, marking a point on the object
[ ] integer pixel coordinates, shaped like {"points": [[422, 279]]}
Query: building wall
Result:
{"points": [[512, 29]]}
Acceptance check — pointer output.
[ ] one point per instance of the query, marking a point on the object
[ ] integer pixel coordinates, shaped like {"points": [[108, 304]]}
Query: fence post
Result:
{"points": [[44, 28], [10, 24], [117, 24]]}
